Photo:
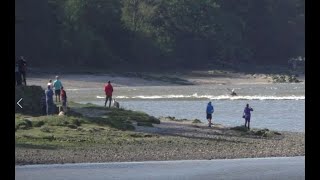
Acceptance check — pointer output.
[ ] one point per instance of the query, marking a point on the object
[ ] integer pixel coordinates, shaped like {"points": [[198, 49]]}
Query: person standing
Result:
{"points": [[209, 112], [57, 88], [247, 115], [22, 65], [43, 104], [108, 89], [64, 99], [50, 83], [18, 75], [49, 100]]}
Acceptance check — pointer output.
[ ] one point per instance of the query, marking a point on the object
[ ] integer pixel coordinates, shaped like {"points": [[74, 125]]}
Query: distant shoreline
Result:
{"points": [[89, 80]]}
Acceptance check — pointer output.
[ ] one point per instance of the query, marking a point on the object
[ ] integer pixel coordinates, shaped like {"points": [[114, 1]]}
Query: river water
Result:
{"points": [[276, 106]]}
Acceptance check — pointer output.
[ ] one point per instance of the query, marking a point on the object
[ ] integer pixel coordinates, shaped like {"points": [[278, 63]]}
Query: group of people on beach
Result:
{"points": [[246, 114], [48, 106]]}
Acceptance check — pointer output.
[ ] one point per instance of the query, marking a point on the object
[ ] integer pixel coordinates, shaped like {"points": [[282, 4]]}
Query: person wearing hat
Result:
{"points": [[108, 89], [209, 112], [57, 88]]}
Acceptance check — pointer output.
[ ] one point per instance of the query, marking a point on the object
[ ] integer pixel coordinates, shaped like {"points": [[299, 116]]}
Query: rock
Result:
{"points": [[145, 124], [277, 133], [196, 121]]}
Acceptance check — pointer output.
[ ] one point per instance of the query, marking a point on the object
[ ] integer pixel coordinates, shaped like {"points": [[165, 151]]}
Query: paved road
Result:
{"points": [[251, 168]]}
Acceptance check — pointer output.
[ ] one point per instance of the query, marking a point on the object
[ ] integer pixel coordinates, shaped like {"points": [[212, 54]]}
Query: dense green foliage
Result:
{"points": [[159, 33]]}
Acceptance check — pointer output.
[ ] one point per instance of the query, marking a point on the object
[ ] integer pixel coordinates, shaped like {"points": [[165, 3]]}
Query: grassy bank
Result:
{"points": [[78, 130]]}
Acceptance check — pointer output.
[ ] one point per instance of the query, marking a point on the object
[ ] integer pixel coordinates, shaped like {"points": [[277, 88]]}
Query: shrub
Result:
{"points": [[37, 123], [45, 129], [23, 124]]}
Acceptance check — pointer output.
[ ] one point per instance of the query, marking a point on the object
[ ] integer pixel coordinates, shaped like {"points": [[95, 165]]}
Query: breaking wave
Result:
{"points": [[212, 97]]}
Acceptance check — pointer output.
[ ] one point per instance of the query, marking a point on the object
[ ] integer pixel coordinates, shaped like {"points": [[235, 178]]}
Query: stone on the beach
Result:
{"points": [[154, 120], [31, 98], [240, 128], [277, 133], [196, 121]]}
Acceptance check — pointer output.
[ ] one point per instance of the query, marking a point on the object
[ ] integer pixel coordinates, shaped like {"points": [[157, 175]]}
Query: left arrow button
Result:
{"points": [[19, 102]]}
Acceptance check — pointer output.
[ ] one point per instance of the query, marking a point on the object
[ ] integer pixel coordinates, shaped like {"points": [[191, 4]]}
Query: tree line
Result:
{"points": [[159, 33]]}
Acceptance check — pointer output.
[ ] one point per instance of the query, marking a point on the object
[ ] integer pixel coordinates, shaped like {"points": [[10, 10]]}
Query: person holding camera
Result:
{"points": [[247, 115]]}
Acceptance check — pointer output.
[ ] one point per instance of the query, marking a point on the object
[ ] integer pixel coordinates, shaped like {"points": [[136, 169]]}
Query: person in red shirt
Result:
{"points": [[63, 99], [108, 89]]}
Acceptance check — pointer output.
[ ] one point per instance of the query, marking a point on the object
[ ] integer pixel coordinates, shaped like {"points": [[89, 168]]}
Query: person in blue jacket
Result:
{"points": [[209, 112], [247, 115], [49, 100]]}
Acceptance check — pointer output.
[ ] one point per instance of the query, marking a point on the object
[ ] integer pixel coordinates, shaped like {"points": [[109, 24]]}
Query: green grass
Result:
{"points": [[76, 130]]}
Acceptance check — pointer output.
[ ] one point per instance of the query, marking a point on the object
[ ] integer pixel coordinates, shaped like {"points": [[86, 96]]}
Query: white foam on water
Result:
{"points": [[212, 97]]}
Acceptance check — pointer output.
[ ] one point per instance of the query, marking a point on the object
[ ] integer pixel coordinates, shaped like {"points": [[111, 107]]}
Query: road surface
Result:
{"points": [[250, 168]]}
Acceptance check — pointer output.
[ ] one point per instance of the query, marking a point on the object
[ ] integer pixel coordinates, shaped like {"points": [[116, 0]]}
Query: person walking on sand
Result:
{"points": [[247, 115], [108, 89], [49, 100], [64, 99], [57, 88], [209, 112]]}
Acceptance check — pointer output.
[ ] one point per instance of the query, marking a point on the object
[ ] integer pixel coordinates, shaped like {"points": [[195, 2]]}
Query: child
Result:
{"points": [[64, 99]]}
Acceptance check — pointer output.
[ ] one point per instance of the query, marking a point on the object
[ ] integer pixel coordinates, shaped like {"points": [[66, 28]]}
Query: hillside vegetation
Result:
{"points": [[152, 34]]}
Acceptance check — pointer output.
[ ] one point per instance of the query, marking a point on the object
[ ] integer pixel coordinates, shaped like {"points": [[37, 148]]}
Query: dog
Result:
{"points": [[62, 110], [115, 103], [61, 113]]}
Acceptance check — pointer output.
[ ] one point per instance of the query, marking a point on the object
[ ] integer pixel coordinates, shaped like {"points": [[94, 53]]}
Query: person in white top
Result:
{"points": [[50, 83]]}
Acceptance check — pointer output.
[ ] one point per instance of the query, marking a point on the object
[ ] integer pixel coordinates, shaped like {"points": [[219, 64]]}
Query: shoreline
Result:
{"points": [[91, 80], [170, 140], [97, 163]]}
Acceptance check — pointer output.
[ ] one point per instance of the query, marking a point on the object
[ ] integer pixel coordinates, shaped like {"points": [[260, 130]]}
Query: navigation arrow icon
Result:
{"points": [[19, 104]]}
